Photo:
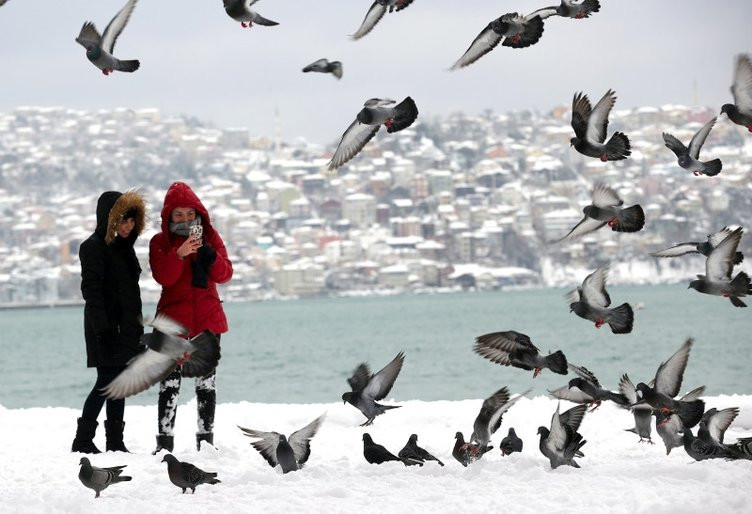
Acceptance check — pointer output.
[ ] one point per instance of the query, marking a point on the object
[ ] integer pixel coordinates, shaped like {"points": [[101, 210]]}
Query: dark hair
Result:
{"points": [[130, 213]]}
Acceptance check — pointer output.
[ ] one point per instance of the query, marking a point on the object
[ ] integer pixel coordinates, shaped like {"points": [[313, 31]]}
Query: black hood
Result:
{"points": [[104, 206]]}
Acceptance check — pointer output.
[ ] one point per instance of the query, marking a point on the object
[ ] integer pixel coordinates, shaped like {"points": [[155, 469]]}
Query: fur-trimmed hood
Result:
{"points": [[112, 206], [179, 194]]}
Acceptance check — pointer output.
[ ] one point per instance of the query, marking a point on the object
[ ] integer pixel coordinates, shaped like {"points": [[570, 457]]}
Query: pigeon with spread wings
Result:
{"points": [[290, 453], [377, 11], [99, 48], [513, 348], [688, 157], [367, 389], [590, 125], [701, 247], [240, 10], [591, 301], [718, 267], [586, 389], [325, 66], [740, 112], [569, 9], [562, 443], [488, 420]]}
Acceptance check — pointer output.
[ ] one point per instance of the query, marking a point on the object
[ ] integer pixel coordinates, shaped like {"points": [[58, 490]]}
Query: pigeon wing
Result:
{"points": [[594, 288], [573, 417], [266, 444], [718, 237], [581, 110], [483, 426], [203, 356], [142, 372], [167, 325], [742, 86], [483, 43], [670, 374], [693, 395], [717, 421], [353, 140], [381, 383], [677, 250], [373, 16], [300, 440], [598, 121], [604, 196], [557, 436], [319, 65], [720, 262], [360, 377], [585, 226], [116, 26], [545, 12], [699, 138], [509, 341], [572, 394], [585, 373], [89, 35], [674, 145]]}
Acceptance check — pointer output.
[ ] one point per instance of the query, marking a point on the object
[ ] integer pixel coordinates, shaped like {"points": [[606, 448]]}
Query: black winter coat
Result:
{"points": [[109, 284]]}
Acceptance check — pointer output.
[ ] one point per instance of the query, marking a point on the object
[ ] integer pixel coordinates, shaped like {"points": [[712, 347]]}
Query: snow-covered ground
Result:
{"points": [[39, 474]]}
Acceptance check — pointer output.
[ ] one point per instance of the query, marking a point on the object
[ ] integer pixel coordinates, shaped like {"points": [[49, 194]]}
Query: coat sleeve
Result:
{"points": [[92, 286], [166, 266], [221, 270]]}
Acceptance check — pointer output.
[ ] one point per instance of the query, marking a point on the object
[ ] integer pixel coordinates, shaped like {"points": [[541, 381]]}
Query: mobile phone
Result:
{"points": [[197, 231]]}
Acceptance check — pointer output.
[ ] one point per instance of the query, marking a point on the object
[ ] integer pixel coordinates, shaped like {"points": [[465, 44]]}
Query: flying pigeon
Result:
{"points": [[562, 443], [606, 208], [511, 443], [290, 453], [569, 9], [467, 453], [590, 125], [688, 157], [643, 413], [99, 49], [668, 380], [517, 32], [413, 452], [488, 420], [325, 66], [669, 426], [704, 247], [187, 476], [718, 267], [707, 446], [376, 12], [586, 389], [740, 112], [591, 301], [377, 454], [165, 350], [515, 349], [100, 479], [240, 10], [367, 389], [376, 112]]}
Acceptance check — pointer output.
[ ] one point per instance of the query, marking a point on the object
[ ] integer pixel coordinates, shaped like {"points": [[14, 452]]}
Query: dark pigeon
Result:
{"points": [[511, 443], [562, 443], [569, 9], [700, 449], [516, 349], [413, 452], [488, 420], [377, 11], [669, 426], [590, 125], [325, 66], [165, 350], [742, 448], [719, 265], [99, 479], [467, 453], [704, 247], [99, 49], [643, 413], [586, 389], [740, 112], [377, 454], [375, 112], [591, 302], [606, 208], [289, 453], [187, 476], [688, 157], [367, 389], [240, 10]]}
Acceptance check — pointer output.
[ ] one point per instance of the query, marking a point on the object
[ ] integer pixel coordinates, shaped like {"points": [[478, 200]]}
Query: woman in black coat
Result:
{"points": [[112, 312]]}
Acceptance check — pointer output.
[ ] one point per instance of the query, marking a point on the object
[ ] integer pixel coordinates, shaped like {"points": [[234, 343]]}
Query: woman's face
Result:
{"points": [[183, 214], [125, 226]]}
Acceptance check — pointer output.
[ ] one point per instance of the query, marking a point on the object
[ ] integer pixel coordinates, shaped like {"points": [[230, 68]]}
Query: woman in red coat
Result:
{"points": [[188, 267]]}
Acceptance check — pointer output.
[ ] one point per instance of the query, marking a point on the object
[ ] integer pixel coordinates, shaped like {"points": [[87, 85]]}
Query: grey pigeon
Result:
{"points": [[718, 267], [643, 413], [99, 49], [240, 10], [586, 389], [411, 451], [377, 454], [187, 476], [591, 301], [740, 112], [688, 157], [742, 448], [467, 453], [516, 349], [569, 9], [377, 11], [367, 389], [703, 449], [165, 350], [517, 32], [325, 66], [290, 453], [701, 247], [606, 208], [100, 479], [590, 125], [511, 443], [488, 420], [668, 380], [375, 112], [562, 443], [669, 425]]}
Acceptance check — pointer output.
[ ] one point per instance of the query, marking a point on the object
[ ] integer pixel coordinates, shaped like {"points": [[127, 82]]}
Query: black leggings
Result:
{"points": [[95, 400]]}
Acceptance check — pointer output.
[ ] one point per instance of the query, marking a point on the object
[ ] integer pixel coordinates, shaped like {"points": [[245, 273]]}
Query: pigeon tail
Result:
{"points": [[260, 20], [405, 114], [618, 398], [557, 362], [621, 319], [690, 413], [738, 258], [119, 478], [128, 66], [590, 6], [712, 168], [618, 147], [631, 219]]}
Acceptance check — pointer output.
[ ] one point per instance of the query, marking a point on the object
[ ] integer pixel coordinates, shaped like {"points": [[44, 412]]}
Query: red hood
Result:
{"points": [[179, 194]]}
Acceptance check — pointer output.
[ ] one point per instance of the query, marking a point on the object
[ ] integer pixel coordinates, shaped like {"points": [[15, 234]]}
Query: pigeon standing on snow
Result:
{"points": [[718, 267], [165, 350], [325, 66], [240, 10], [688, 157], [376, 112], [367, 389], [377, 454], [467, 453], [99, 48], [290, 453], [586, 389], [516, 349], [643, 414], [704, 247], [669, 426], [187, 476], [569, 9], [376, 12], [517, 32], [511, 443], [412, 451], [590, 125], [99, 479], [740, 112], [591, 301], [562, 443], [606, 208], [488, 420]]}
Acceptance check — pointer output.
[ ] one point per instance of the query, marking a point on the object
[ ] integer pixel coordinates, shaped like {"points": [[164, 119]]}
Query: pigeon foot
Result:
{"points": [[184, 358], [537, 372], [106, 71], [389, 122], [580, 15], [749, 127], [725, 294], [516, 38], [613, 222], [368, 422], [697, 173], [243, 24], [604, 157], [599, 323], [594, 405]]}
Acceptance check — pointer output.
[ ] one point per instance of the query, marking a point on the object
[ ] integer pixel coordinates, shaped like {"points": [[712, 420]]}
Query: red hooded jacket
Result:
{"points": [[196, 308]]}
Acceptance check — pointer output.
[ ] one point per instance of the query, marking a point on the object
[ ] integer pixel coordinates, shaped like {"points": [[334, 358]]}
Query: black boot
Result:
{"points": [[209, 438], [84, 441], [113, 430], [164, 442]]}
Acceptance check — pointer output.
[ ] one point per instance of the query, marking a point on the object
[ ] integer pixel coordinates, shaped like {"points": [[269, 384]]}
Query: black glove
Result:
{"points": [[205, 257]]}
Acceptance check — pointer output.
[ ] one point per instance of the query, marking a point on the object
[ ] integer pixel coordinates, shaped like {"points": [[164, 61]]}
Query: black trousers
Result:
{"points": [[95, 401]]}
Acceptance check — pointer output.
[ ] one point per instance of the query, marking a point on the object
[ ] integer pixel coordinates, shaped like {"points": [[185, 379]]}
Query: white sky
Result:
{"points": [[195, 60]]}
